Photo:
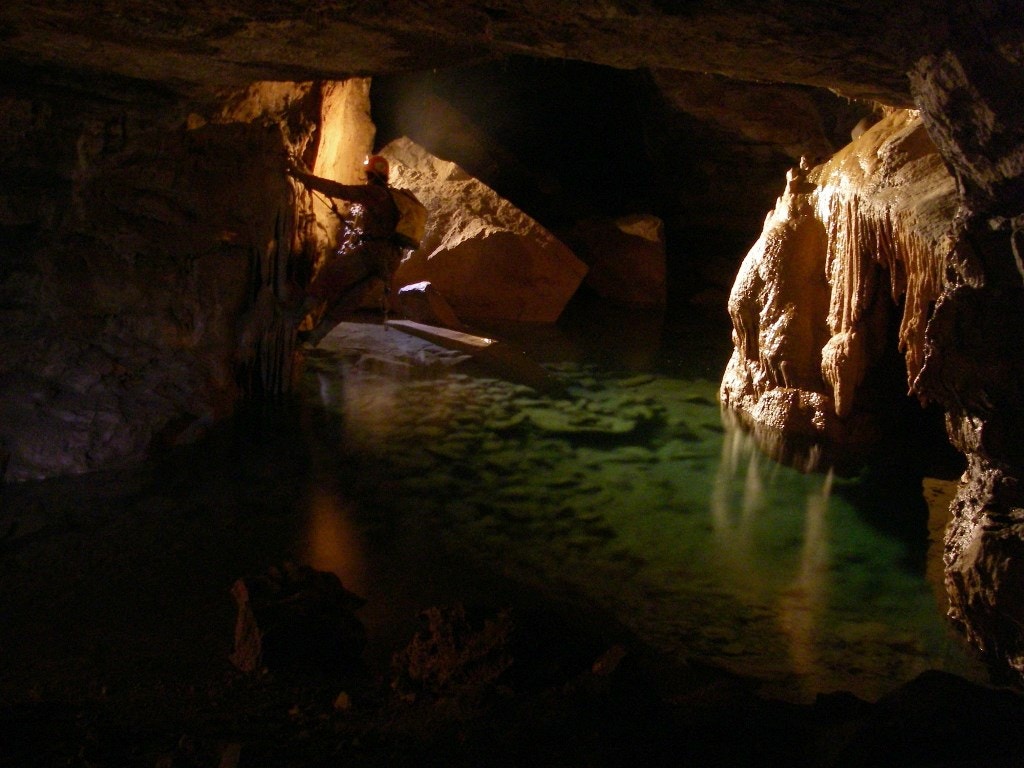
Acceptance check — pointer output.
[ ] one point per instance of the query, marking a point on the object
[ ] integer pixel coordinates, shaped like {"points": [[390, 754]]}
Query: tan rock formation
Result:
{"points": [[485, 256], [625, 258], [807, 307]]}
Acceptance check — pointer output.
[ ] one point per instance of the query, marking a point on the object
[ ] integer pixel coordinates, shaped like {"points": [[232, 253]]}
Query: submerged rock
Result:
{"points": [[578, 423], [297, 618]]}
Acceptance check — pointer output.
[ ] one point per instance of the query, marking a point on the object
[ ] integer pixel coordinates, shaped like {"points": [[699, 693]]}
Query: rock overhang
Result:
{"points": [[862, 53]]}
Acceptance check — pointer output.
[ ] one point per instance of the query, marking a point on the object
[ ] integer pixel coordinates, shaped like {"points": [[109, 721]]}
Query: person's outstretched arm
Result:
{"points": [[355, 193]]}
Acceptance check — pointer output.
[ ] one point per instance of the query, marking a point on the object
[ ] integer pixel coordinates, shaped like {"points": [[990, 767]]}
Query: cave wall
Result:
{"points": [[135, 236], [108, 135], [974, 364]]}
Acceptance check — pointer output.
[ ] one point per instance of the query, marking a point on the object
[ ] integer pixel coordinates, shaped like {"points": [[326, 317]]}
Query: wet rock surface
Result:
{"points": [[296, 617]]}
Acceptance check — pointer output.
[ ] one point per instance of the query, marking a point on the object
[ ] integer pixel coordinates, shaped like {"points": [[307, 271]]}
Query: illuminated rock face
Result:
{"points": [[486, 257], [813, 297]]}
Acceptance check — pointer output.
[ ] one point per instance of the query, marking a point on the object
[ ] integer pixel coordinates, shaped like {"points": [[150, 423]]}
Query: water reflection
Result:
{"points": [[801, 605], [683, 530], [844, 584], [741, 540], [333, 542]]}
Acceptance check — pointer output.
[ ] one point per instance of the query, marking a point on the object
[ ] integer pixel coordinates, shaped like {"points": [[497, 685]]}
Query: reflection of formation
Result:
{"points": [[733, 537], [805, 600], [739, 542], [801, 453]]}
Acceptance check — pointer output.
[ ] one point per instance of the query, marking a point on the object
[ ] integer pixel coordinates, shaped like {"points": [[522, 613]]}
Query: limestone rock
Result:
{"points": [[809, 305], [244, 41], [489, 259], [793, 118], [625, 258], [969, 97], [425, 304], [122, 315], [985, 578]]}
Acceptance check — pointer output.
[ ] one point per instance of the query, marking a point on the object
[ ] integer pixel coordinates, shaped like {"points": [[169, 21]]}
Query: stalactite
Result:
{"points": [[809, 305], [865, 235], [267, 345], [850, 272]]}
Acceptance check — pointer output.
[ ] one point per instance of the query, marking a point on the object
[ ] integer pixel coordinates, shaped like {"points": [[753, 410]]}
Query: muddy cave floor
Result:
{"points": [[116, 626]]}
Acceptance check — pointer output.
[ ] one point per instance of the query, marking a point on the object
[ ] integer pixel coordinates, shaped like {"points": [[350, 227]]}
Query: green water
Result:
{"points": [[422, 479], [630, 494]]}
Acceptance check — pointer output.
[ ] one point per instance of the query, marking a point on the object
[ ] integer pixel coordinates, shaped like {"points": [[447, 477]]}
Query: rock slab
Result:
{"points": [[486, 257]]}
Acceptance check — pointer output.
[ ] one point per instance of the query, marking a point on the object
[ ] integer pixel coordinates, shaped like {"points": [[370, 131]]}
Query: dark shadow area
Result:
{"points": [[561, 139], [566, 141]]}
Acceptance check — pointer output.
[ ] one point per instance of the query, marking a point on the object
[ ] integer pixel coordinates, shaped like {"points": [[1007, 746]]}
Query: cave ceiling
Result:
{"points": [[859, 49]]}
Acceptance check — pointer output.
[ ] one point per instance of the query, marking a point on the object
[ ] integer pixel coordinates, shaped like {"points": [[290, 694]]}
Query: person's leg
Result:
{"points": [[337, 275], [337, 311]]}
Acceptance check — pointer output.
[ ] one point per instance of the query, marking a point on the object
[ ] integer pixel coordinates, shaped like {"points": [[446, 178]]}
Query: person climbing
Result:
{"points": [[379, 230]]}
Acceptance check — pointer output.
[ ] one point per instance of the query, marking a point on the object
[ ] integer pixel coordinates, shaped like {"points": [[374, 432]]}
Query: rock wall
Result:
{"points": [[847, 242], [136, 238], [974, 364]]}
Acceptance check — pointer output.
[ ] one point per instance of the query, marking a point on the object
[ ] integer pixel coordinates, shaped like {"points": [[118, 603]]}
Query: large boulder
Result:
{"points": [[486, 257], [625, 257]]}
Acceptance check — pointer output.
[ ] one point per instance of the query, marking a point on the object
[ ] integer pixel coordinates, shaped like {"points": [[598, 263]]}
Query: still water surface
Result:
{"points": [[630, 494], [420, 478]]}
